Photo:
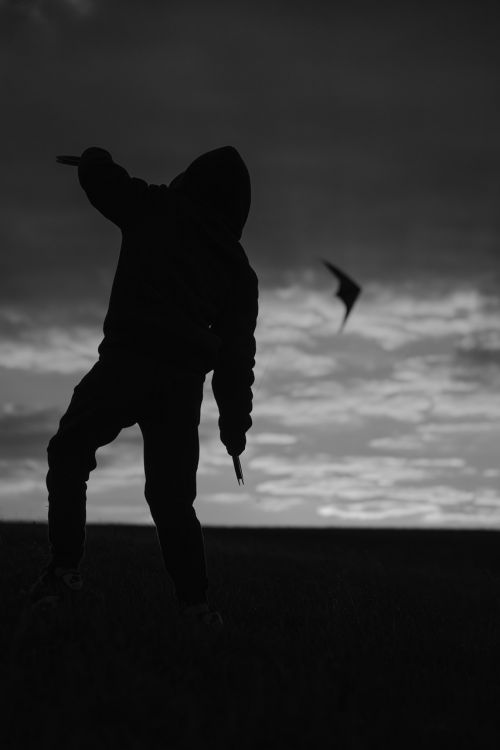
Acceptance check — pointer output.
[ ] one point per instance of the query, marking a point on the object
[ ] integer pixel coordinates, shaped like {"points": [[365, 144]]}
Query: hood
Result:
{"points": [[218, 181]]}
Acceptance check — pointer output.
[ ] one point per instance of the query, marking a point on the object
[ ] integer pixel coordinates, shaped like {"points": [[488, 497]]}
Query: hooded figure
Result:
{"points": [[219, 183], [183, 303], [184, 292]]}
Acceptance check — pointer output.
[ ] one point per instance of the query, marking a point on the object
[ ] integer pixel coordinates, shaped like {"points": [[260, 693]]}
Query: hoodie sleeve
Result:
{"points": [[108, 186], [233, 375]]}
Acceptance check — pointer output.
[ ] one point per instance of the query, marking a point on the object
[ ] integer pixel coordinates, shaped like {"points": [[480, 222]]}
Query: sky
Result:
{"points": [[370, 131]]}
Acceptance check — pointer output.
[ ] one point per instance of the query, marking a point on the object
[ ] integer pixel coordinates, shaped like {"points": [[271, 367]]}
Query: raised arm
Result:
{"points": [[109, 187]]}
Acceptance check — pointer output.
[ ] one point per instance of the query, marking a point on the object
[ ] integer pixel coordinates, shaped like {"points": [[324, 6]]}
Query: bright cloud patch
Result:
{"points": [[51, 350]]}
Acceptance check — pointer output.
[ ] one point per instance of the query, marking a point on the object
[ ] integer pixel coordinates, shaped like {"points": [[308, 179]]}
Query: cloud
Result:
{"points": [[351, 477], [123, 470], [480, 348], [24, 434], [396, 359], [57, 350], [370, 512], [437, 505], [65, 340], [390, 316], [19, 486], [228, 497], [400, 442], [404, 319], [267, 438], [281, 505]]}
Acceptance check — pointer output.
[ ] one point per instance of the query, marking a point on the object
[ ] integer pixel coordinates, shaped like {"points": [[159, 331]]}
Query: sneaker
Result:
{"points": [[199, 618], [55, 584]]}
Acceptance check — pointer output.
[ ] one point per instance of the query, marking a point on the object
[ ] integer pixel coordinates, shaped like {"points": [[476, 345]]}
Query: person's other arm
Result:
{"points": [[233, 375], [108, 186]]}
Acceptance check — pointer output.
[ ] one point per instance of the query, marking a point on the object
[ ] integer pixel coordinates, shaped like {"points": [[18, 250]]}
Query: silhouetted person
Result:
{"points": [[184, 302]]}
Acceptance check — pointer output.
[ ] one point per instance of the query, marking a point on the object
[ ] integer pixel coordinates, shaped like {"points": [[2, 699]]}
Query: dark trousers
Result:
{"points": [[166, 404]]}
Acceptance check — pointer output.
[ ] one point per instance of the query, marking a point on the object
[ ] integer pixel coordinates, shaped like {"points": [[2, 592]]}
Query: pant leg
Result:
{"points": [[171, 455], [96, 414]]}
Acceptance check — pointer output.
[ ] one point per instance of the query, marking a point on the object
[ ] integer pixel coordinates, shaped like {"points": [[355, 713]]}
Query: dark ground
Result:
{"points": [[334, 638]]}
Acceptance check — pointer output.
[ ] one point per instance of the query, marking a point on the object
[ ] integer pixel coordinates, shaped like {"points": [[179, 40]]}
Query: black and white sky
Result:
{"points": [[371, 134]]}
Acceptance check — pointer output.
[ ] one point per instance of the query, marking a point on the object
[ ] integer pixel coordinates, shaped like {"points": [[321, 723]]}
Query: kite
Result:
{"points": [[348, 290]]}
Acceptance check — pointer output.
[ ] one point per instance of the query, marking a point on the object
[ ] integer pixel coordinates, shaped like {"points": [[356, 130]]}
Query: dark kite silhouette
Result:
{"points": [[348, 290]]}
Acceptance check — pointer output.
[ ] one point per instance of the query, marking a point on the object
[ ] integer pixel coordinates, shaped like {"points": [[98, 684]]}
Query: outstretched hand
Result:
{"points": [[235, 444]]}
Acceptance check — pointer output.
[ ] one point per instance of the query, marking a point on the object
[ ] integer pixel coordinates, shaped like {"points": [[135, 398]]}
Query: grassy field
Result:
{"points": [[334, 638]]}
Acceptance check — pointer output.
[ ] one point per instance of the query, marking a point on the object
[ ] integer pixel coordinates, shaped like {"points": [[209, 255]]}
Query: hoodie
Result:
{"points": [[184, 293]]}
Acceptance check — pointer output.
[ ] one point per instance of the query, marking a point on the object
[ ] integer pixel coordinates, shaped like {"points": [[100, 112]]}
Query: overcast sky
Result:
{"points": [[371, 134]]}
